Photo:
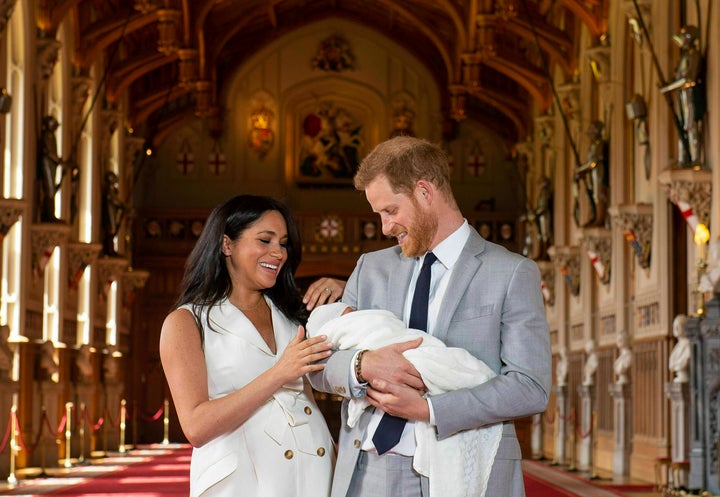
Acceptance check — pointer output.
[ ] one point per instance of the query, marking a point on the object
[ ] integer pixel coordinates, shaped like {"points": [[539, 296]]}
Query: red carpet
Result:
{"points": [[164, 472], [537, 487]]}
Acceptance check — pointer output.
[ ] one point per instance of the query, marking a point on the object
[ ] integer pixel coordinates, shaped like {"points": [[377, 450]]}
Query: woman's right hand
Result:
{"points": [[302, 355]]}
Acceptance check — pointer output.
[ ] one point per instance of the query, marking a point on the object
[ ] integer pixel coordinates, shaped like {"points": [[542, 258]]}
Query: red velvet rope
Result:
{"points": [[154, 417], [86, 417], [7, 433], [83, 415], [60, 428], [588, 432]]}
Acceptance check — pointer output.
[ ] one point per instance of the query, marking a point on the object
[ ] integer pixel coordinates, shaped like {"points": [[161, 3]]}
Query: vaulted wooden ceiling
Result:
{"points": [[173, 57]]}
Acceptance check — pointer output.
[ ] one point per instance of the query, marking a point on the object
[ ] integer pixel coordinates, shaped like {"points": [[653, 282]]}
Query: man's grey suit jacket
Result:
{"points": [[493, 307]]}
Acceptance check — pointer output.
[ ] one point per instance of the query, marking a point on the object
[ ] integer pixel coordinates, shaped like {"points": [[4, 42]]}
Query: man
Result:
{"points": [[481, 298]]}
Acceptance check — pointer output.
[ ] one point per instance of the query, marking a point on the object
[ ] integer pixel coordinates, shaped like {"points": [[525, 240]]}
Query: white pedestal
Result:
{"points": [[585, 435], [560, 417], [679, 395], [621, 453]]}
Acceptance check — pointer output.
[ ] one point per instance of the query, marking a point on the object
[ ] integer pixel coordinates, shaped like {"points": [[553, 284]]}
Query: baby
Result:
{"points": [[457, 465]]}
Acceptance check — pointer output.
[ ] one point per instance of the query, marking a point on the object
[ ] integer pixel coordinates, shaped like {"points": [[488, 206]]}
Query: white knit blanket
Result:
{"points": [[458, 466]]}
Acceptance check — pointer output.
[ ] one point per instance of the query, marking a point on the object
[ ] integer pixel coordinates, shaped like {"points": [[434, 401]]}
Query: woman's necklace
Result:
{"points": [[253, 307]]}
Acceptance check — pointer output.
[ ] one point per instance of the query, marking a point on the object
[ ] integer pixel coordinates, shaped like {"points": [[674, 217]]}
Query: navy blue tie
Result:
{"points": [[390, 428]]}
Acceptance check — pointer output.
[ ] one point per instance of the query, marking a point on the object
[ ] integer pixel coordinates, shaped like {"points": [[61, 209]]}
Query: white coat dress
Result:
{"points": [[285, 447]]}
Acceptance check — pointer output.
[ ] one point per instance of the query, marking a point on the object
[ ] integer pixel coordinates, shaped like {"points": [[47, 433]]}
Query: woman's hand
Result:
{"points": [[323, 291], [301, 356]]}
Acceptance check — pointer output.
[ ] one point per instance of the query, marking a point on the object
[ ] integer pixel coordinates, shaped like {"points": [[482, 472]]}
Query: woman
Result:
{"points": [[235, 358]]}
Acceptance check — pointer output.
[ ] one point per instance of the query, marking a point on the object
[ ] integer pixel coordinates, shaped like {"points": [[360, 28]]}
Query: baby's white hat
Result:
{"points": [[322, 314]]}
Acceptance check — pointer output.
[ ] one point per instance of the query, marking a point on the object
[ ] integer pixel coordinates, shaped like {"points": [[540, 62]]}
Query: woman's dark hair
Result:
{"points": [[207, 281]]}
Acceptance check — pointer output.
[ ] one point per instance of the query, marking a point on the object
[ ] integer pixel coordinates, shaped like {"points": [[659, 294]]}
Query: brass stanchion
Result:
{"points": [[123, 407], [68, 433], [166, 422], [104, 428], [12, 479], [81, 433], [41, 440]]}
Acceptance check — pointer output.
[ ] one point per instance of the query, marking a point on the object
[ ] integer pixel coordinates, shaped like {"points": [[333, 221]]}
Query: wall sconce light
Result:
{"points": [[701, 237]]}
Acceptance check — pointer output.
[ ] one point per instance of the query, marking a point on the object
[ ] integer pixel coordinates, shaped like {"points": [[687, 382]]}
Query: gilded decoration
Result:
{"points": [[567, 261], [331, 144], [598, 245], [334, 55], [691, 192], [45, 237], [10, 212], [330, 229], [635, 221], [80, 256], [261, 136]]}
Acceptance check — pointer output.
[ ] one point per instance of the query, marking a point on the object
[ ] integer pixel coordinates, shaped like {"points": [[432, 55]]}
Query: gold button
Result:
{"points": [[321, 451], [289, 454], [340, 390], [308, 411], [356, 443]]}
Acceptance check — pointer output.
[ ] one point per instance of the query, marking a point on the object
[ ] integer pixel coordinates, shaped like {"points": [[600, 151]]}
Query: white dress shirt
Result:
{"points": [[447, 253]]}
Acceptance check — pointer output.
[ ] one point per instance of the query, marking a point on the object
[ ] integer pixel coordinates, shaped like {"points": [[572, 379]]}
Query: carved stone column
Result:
{"points": [[636, 223], [187, 67], [168, 23], [458, 99], [704, 335]]}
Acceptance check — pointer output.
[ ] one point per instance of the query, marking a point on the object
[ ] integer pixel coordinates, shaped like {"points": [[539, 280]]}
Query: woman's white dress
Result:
{"points": [[285, 447]]}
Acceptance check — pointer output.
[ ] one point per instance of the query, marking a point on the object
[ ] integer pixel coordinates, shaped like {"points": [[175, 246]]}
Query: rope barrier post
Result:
{"points": [[123, 413], [81, 433], [41, 440], [166, 422], [12, 479], [104, 427], [68, 433], [135, 424]]}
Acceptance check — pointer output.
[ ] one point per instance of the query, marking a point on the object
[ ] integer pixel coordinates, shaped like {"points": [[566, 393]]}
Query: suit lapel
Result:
{"points": [[463, 273], [399, 275]]}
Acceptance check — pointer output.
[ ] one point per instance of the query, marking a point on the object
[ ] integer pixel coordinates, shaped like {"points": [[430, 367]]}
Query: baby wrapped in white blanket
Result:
{"points": [[458, 465]]}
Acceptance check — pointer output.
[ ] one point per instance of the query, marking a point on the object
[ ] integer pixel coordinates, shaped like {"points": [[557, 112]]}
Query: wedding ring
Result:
{"points": [[328, 290]]}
